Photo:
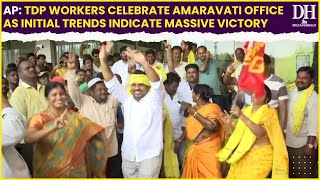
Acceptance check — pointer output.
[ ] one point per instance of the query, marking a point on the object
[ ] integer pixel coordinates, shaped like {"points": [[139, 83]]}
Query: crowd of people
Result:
{"points": [[142, 117]]}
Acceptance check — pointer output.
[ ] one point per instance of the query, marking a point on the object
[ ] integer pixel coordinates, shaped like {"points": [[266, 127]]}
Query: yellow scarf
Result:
{"points": [[298, 113], [242, 137], [137, 78], [171, 164]]}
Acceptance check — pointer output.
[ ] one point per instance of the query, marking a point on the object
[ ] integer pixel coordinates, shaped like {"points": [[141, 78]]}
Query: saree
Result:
{"points": [[200, 159], [256, 162], [77, 150]]}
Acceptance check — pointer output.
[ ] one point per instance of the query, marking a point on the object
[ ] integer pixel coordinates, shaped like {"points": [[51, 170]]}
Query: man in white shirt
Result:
{"points": [[121, 67], [96, 61], [143, 136], [13, 130], [186, 86], [173, 104], [174, 61], [302, 125]]}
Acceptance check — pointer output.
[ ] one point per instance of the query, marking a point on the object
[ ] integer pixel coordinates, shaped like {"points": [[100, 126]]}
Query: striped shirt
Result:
{"points": [[278, 91]]}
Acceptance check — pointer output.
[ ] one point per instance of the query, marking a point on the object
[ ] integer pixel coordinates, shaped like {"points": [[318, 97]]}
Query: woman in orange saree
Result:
{"points": [[66, 144], [205, 130]]}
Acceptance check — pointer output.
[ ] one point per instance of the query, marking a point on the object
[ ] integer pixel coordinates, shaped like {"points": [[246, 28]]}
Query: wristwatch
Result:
{"points": [[310, 146]]}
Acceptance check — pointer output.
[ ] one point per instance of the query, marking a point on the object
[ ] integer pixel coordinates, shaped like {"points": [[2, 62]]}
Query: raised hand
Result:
{"points": [[71, 62], [105, 50], [167, 47], [208, 55], [84, 46], [231, 68], [36, 49], [131, 66], [136, 56]]}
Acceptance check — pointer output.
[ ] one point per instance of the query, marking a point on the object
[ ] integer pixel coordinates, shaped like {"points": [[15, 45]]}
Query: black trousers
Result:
{"points": [[114, 169], [26, 151]]}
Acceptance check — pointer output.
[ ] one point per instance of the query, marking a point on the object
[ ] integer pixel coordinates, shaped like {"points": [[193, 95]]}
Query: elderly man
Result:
{"points": [[100, 108]]}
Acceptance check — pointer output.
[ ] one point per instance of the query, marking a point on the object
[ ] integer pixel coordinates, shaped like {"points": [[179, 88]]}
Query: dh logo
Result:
{"points": [[304, 11]]}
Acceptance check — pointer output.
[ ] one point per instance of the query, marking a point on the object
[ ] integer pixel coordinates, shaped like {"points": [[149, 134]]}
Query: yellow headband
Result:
{"points": [[139, 78]]}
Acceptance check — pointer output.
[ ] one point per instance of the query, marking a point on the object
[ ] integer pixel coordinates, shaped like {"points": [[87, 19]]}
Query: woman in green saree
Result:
{"points": [[66, 144]]}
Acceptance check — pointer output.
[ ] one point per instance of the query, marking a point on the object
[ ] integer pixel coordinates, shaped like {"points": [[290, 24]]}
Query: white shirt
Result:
{"points": [[121, 67], [142, 135], [13, 131], [310, 123], [180, 70], [96, 68], [176, 117], [184, 92]]}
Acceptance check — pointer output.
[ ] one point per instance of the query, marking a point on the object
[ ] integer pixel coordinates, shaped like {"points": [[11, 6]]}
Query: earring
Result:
{"points": [[198, 97]]}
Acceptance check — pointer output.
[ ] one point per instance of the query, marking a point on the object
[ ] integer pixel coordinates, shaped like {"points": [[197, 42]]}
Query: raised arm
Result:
{"points": [[227, 79], [82, 48], [104, 51], [113, 85], [139, 58], [73, 84], [36, 49], [206, 62], [169, 57]]}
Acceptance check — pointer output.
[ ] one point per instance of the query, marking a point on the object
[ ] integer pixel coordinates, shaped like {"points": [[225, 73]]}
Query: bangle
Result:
{"points": [[194, 115], [285, 131], [180, 141]]}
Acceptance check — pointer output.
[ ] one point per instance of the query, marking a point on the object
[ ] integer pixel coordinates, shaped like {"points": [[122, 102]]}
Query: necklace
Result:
{"points": [[53, 115]]}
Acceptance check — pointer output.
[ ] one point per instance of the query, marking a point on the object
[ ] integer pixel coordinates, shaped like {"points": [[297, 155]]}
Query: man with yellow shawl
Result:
{"points": [[302, 125], [142, 135], [205, 130], [157, 66], [256, 145]]}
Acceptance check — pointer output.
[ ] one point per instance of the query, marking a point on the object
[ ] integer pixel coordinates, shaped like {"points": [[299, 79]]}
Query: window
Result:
{"points": [[303, 60]]}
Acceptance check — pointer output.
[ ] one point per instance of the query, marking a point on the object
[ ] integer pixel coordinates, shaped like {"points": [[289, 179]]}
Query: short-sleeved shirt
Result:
{"points": [[28, 101], [210, 77]]}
